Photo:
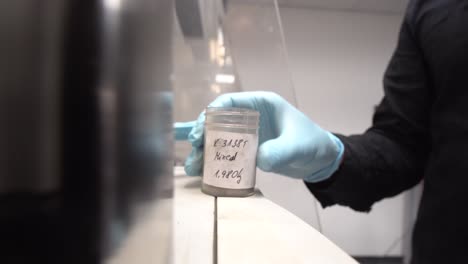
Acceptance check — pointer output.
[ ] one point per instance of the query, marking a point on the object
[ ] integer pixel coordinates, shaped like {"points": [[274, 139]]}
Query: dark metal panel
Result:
{"points": [[86, 118]]}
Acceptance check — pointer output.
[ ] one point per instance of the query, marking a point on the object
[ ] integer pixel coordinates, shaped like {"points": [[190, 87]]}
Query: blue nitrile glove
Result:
{"points": [[289, 142], [182, 130]]}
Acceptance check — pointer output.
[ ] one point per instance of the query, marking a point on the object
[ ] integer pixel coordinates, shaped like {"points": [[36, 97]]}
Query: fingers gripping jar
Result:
{"points": [[230, 150]]}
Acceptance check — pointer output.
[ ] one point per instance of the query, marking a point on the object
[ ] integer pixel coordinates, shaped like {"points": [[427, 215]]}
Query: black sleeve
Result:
{"points": [[389, 157]]}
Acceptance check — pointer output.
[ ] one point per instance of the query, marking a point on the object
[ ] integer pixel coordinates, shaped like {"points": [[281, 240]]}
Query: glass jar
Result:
{"points": [[230, 150]]}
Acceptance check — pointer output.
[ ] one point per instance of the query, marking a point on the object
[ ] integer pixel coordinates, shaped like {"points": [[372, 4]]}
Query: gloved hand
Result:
{"points": [[289, 142]]}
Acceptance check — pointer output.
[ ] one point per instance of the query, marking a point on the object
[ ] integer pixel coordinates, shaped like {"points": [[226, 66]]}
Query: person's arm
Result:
{"points": [[391, 156]]}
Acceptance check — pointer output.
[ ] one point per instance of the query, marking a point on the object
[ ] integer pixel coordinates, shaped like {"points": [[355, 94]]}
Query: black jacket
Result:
{"points": [[419, 132]]}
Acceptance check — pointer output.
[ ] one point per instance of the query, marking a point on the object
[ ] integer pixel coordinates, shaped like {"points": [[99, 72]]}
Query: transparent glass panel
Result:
{"points": [[218, 47], [234, 46]]}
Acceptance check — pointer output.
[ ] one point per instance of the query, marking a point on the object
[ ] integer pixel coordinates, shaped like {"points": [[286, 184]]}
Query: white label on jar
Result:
{"points": [[230, 159]]}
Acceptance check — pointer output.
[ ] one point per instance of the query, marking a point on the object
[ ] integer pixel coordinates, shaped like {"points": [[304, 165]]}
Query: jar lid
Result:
{"points": [[232, 117], [231, 111]]}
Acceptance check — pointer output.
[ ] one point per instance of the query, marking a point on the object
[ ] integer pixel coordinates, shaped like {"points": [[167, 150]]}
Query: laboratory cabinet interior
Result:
{"points": [[91, 170], [327, 58]]}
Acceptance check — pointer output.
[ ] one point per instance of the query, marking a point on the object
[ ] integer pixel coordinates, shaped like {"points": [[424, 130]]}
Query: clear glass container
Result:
{"points": [[230, 150]]}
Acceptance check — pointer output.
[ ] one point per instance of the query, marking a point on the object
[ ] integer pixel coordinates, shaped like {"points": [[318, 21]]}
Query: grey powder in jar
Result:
{"points": [[230, 149]]}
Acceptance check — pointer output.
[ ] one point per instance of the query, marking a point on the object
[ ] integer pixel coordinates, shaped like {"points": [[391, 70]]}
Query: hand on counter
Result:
{"points": [[290, 143]]}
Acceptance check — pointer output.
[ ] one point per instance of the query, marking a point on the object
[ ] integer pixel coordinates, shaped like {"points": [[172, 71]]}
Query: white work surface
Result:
{"points": [[242, 230]]}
